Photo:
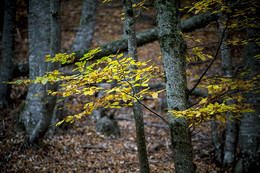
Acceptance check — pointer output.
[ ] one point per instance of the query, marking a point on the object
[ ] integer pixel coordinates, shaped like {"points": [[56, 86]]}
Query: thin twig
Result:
{"points": [[132, 88], [215, 57], [151, 110], [95, 147]]}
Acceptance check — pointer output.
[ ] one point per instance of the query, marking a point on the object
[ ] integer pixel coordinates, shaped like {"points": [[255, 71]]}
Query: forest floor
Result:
{"points": [[81, 148]]}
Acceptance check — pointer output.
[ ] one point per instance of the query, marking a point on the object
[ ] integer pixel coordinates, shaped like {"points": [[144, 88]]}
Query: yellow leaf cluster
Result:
{"points": [[124, 70], [222, 92]]}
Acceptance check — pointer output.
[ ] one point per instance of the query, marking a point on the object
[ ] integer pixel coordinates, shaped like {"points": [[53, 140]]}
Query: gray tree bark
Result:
{"points": [[249, 132], [231, 126], [8, 55], [173, 50], [2, 11], [87, 26], [215, 139], [137, 107], [225, 157], [36, 116], [225, 49], [55, 48]]}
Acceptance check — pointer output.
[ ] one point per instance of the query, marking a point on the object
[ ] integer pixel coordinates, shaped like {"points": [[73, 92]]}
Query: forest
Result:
{"points": [[130, 86]]}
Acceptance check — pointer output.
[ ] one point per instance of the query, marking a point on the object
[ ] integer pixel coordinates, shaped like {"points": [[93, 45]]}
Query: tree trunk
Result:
{"points": [[215, 139], [225, 157], [138, 113], [36, 116], [105, 123], [8, 55], [55, 48], [249, 132], [87, 26], [231, 126], [173, 50], [2, 11]]}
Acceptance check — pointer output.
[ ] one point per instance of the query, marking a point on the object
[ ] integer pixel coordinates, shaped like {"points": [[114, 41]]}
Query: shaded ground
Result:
{"points": [[81, 149]]}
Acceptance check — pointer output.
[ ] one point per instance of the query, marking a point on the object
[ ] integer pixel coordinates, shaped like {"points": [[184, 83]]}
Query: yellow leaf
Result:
{"points": [[119, 56], [132, 62], [115, 103], [110, 97], [203, 101], [223, 120], [124, 97], [209, 56], [197, 40], [137, 77], [155, 95], [198, 114], [59, 123], [144, 84]]}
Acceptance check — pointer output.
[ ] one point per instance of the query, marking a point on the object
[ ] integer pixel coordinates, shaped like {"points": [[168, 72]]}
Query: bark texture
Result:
{"points": [[225, 49], [87, 26], [216, 142], [227, 71], [225, 155], [173, 50], [2, 7], [36, 116], [230, 142], [8, 55], [249, 132], [55, 46], [137, 107]]}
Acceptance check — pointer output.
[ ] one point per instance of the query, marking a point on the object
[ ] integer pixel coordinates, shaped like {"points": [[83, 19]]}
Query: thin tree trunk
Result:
{"points": [[8, 55], [226, 157], [173, 50], [231, 125], [87, 26], [249, 132], [2, 11], [216, 143], [138, 113], [230, 141]]}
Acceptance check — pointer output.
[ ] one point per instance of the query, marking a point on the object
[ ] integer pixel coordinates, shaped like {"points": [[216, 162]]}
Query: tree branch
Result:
{"points": [[215, 57], [144, 37]]}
